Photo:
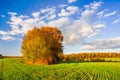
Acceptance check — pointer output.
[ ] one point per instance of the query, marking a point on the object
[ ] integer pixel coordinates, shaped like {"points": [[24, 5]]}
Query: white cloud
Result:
{"points": [[12, 13], [51, 17], [101, 13], [21, 24], [3, 32], [59, 22], [36, 14], [88, 47], [110, 14], [71, 1], [93, 5], [69, 11], [96, 32], [80, 29], [7, 37], [49, 13], [62, 5], [74, 30], [116, 21], [63, 13], [48, 10], [23, 17], [110, 43], [99, 26], [90, 10], [86, 30], [71, 30]]}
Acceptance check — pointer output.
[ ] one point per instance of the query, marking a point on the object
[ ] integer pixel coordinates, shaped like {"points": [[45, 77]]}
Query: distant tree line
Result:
{"points": [[90, 56], [11, 56]]}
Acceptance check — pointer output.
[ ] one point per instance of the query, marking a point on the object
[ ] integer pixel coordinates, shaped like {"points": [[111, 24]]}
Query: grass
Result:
{"points": [[14, 69], [113, 59]]}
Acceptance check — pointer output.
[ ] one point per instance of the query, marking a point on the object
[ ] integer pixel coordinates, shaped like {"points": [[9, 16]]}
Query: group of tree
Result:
{"points": [[42, 46], [100, 56]]}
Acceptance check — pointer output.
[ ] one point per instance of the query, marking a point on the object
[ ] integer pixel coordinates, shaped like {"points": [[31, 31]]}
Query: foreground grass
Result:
{"points": [[14, 69]]}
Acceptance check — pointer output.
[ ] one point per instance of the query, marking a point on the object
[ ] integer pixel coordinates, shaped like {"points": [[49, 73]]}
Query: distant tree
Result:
{"points": [[42, 46]]}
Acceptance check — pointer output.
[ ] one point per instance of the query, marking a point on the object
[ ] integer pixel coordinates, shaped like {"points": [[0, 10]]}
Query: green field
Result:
{"points": [[14, 69]]}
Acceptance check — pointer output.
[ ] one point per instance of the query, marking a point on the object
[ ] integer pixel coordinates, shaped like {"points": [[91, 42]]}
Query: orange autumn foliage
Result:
{"points": [[42, 46], [98, 56]]}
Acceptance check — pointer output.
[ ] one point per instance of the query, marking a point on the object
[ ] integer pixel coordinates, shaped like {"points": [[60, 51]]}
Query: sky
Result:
{"points": [[87, 25]]}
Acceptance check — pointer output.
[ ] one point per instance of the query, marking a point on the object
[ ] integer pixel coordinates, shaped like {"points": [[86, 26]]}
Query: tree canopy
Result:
{"points": [[42, 46]]}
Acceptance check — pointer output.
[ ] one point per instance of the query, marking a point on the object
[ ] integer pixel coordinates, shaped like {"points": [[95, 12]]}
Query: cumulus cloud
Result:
{"points": [[21, 24], [59, 22], [3, 32], [69, 11], [71, 1], [99, 26], [90, 10], [116, 21], [36, 14], [48, 13], [48, 10], [51, 17], [75, 29], [110, 43], [80, 29], [5, 36]]}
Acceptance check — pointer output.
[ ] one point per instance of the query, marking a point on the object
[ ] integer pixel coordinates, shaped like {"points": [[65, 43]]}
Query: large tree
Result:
{"points": [[42, 46]]}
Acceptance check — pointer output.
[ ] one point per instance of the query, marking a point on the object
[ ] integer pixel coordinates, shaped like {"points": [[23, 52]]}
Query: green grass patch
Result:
{"points": [[15, 69]]}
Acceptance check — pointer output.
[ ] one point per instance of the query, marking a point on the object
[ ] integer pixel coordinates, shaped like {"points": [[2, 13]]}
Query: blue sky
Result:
{"points": [[87, 25]]}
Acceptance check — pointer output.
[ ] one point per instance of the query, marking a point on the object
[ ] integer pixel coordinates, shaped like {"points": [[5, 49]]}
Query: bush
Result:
{"points": [[42, 46]]}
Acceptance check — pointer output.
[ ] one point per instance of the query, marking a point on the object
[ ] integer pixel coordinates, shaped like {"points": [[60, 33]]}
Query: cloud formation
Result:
{"points": [[69, 11], [5, 36], [71, 1], [74, 28], [111, 43]]}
